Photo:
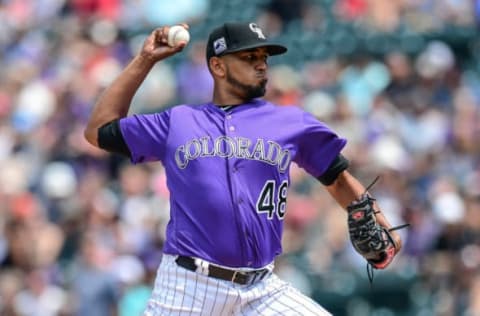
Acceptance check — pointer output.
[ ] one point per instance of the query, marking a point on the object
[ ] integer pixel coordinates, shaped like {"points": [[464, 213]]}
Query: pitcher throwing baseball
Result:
{"points": [[227, 164]]}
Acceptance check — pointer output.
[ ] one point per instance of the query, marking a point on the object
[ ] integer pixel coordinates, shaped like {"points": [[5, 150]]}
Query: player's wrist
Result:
{"points": [[396, 240], [145, 60]]}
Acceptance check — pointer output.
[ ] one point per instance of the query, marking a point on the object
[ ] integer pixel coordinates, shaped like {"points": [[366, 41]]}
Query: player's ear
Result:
{"points": [[217, 67]]}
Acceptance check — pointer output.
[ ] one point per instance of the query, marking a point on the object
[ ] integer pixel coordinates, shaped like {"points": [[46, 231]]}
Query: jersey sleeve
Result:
{"points": [[318, 146], [146, 135]]}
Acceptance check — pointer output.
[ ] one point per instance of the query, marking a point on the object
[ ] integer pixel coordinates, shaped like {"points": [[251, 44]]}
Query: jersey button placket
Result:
{"points": [[231, 128], [234, 168]]}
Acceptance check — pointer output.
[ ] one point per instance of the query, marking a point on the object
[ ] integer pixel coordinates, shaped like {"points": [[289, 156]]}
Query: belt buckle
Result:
{"points": [[235, 272]]}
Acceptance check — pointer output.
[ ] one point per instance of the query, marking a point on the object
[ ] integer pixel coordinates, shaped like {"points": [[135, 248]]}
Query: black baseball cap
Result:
{"points": [[238, 36]]}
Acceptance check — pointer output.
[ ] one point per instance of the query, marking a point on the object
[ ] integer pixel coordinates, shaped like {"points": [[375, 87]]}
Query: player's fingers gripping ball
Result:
{"points": [[177, 35]]}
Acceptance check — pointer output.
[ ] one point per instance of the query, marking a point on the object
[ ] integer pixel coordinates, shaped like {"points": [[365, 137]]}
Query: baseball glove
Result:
{"points": [[369, 238]]}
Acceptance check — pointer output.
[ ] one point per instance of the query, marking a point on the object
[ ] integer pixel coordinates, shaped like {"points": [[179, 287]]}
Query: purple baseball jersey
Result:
{"points": [[228, 174]]}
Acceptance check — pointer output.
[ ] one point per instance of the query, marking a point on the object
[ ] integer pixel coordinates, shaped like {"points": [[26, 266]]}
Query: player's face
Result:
{"points": [[246, 72]]}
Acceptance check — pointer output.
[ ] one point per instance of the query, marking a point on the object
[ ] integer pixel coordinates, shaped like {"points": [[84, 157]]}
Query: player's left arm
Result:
{"points": [[319, 153], [346, 188]]}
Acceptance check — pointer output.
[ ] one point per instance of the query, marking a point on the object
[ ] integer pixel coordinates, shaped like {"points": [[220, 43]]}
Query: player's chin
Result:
{"points": [[261, 90], [255, 92], [262, 86]]}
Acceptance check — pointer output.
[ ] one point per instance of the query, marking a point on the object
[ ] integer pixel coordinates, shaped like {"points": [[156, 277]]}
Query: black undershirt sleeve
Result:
{"points": [[110, 138], [339, 164]]}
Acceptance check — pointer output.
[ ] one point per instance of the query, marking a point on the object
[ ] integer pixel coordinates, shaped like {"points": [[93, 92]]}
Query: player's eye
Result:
{"points": [[250, 57], [254, 58]]}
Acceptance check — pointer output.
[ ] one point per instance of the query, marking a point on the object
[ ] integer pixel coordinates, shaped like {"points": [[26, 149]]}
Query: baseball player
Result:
{"points": [[227, 164]]}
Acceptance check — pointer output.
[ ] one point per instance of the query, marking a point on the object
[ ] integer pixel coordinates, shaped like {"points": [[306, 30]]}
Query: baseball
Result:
{"points": [[176, 35]]}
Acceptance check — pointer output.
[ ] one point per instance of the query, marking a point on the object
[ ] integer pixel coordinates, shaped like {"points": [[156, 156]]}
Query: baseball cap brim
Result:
{"points": [[272, 49]]}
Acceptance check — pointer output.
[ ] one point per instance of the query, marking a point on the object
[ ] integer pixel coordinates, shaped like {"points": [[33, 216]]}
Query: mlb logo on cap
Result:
{"points": [[220, 45]]}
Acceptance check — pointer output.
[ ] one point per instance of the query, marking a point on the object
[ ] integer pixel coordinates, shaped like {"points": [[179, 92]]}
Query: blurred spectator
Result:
{"points": [[277, 15], [131, 273], [284, 86], [95, 290], [109, 9], [33, 241], [40, 298], [195, 84], [158, 90], [11, 283], [361, 82], [174, 12], [351, 9], [287, 10]]}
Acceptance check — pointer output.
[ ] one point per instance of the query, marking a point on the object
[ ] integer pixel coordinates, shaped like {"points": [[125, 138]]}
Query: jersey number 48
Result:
{"points": [[271, 201]]}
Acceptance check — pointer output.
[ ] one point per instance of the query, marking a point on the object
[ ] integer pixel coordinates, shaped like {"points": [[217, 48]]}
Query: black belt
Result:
{"points": [[240, 277]]}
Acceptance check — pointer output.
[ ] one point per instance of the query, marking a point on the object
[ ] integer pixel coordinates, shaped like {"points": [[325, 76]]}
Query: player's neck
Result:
{"points": [[222, 98]]}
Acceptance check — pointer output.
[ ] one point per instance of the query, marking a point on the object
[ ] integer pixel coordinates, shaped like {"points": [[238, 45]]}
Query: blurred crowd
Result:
{"points": [[81, 231]]}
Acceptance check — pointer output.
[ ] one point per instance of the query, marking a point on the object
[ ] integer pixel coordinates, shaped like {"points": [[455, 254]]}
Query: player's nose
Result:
{"points": [[261, 65]]}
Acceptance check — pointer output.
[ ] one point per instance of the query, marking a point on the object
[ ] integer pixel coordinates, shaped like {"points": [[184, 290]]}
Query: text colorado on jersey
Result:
{"points": [[269, 152]]}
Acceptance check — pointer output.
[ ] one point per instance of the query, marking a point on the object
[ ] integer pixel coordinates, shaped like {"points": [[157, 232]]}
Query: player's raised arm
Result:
{"points": [[115, 101]]}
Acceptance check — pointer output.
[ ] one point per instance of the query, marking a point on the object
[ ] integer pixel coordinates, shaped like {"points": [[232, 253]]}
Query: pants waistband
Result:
{"points": [[211, 270]]}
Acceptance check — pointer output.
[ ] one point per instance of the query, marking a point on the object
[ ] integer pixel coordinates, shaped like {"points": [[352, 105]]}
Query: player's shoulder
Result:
{"points": [[288, 110], [186, 110], [188, 107], [259, 106]]}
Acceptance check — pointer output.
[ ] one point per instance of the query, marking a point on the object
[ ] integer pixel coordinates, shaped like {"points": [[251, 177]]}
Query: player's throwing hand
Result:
{"points": [[156, 48]]}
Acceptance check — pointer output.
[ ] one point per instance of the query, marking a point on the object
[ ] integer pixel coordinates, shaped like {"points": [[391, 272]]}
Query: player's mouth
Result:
{"points": [[263, 78]]}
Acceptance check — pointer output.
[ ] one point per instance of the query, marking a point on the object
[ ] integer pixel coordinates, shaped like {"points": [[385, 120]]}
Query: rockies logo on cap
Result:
{"points": [[256, 29]]}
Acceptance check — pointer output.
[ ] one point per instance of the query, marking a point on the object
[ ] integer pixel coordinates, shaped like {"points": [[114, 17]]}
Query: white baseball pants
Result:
{"points": [[178, 291]]}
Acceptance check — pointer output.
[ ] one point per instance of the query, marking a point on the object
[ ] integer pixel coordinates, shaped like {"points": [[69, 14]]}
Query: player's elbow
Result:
{"points": [[91, 135], [337, 182]]}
